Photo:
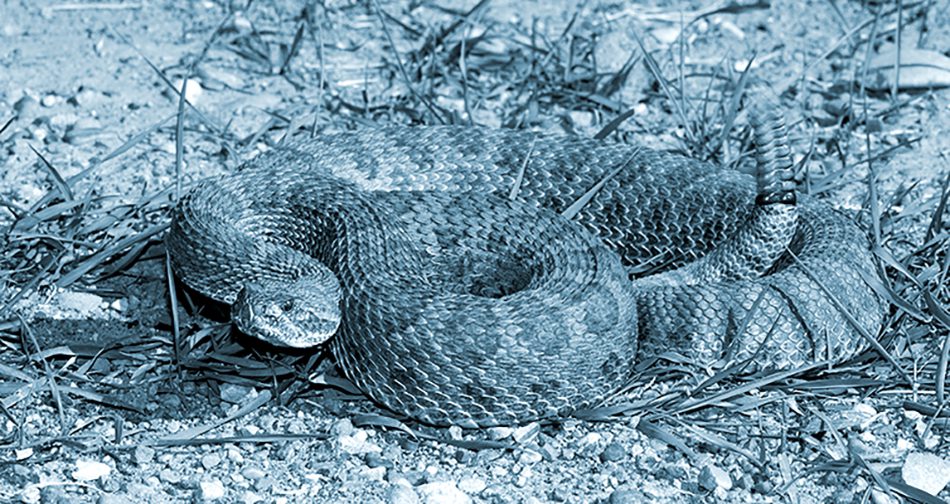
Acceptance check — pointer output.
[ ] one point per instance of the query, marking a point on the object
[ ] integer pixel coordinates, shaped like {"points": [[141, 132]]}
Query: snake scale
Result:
{"points": [[457, 293]]}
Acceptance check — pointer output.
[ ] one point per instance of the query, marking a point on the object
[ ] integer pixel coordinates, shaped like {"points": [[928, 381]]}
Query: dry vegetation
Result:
{"points": [[677, 77]]}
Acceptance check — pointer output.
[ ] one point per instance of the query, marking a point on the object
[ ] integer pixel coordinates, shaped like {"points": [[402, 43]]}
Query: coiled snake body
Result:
{"points": [[458, 294]]}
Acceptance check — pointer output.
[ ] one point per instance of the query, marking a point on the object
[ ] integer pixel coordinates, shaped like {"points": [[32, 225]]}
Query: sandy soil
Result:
{"points": [[101, 405]]}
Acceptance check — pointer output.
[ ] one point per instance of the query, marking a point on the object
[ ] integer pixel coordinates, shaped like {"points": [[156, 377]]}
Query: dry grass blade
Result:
{"points": [[50, 375], [913, 493], [108, 251], [721, 443], [944, 318], [58, 180], [519, 178], [180, 134], [733, 110], [7, 124], [695, 404], [614, 124], [402, 68], [176, 323], [572, 211], [102, 399], [654, 431], [655, 71], [256, 438], [204, 119], [841, 41]]}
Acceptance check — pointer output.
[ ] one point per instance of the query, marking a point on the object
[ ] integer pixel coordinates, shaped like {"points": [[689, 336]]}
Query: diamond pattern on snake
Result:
{"points": [[446, 300]]}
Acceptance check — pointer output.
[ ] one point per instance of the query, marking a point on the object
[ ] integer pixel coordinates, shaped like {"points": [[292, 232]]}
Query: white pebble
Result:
{"points": [[211, 489], [472, 485], [926, 471], [443, 492], [50, 100], [88, 470]]}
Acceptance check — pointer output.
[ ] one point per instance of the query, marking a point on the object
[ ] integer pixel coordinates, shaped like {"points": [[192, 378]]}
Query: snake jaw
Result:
{"points": [[297, 314]]}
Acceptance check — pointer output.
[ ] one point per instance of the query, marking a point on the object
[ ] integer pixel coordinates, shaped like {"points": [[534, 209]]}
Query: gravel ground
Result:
{"points": [[108, 395]]}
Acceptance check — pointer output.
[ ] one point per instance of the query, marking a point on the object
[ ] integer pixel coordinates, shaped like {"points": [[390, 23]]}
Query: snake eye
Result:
{"points": [[287, 305]]}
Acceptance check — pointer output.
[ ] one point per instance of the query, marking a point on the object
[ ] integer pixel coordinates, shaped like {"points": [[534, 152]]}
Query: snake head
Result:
{"points": [[299, 313]]}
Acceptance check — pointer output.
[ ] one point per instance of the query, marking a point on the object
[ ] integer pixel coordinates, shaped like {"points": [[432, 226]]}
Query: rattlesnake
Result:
{"points": [[458, 294]]}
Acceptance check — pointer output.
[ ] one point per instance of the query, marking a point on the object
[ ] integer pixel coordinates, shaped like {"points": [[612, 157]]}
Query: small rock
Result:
{"points": [[550, 450], [193, 90], [499, 433], [463, 456], [443, 492], [526, 433], [402, 494], [523, 477], [210, 460], [217, 79], [264, 484], [626, 497], [250, 497], [879, 497], [926, 471], [171, 401], [234, 455], [144, 454], [39, 134], [823, 118], [763, 487], [874, 125], [88, 98], [559, 494], [591, 438], [614, 452], [409, 445], [415, 478], [342, 428], [169, 476], [31, 495], [712, 477], [374, 459], [234, 394], [472, 486], [81, 302], [211, 489], [373, 473], [26, 107], [529, 457], [88, 470], [252, 473], [114, 498], [51, 100], [82, 131], [249, 430], [241, 24], [357, 444], [746, 481], [12, 30]]}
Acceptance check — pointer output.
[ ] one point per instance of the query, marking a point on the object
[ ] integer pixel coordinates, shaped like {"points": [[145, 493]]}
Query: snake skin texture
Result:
{"points": [[454, 304]]}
